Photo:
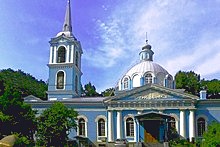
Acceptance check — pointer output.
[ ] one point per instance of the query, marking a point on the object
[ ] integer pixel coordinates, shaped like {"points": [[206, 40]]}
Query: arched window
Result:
{"points": [[101, 127], [136, 81], [169, 82], [148, 78], [60, 80], [125, 83], [76, 84], [77, 59], [61, 56], [200, 126], [129, 127], [172, 123], [82, 127]]}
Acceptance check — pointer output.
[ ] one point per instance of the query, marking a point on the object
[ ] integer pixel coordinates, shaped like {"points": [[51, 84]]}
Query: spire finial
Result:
{"points": [[146, 39], [67, 26]]}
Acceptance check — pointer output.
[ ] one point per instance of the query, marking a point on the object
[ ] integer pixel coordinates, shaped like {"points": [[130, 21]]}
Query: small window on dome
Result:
{"points": [[148, 78], [125, 83], [169, 82]]}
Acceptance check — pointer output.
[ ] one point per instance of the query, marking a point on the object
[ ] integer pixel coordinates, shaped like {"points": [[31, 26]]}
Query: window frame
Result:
{"points": [[85, 126], [199, 124], [148, 78], [63, 82], [100, 138], [61, 54]]}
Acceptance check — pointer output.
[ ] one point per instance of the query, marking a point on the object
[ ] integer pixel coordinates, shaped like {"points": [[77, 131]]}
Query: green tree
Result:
{"points": [[20, 84], [54, 124], [190, 81], [16, 116], [108, 92], [213, 88], [212, 135], [90, 90]]}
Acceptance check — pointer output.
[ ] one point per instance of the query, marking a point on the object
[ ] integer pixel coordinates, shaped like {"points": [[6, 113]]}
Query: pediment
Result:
{"points": [[151, 93], [61, 38], [31, 98]]}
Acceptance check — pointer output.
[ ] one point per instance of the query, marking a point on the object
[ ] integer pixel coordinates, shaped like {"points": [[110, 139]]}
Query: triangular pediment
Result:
{"points": [[150, 93], [62, 38]]}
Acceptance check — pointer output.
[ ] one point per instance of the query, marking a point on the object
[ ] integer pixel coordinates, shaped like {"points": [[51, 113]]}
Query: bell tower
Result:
{"points": [[65, 63]]}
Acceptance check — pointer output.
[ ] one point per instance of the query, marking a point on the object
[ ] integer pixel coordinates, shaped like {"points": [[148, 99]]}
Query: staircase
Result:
{"points": [[152, 144]]}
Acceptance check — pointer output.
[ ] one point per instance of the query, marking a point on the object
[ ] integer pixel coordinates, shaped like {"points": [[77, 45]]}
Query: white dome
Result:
{"points": [[145, 67], [145, 72]]}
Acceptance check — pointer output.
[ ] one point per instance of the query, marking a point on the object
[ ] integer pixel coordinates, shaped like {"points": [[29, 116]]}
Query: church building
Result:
{"points": [[146, 107]]}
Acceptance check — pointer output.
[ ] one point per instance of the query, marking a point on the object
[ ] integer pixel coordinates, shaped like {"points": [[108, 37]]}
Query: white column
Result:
{"points": [[191, 124], [110, 126], [54, 54], [68, 54], [72, 53], [51, 55], [182, 123], [119, 124], [177, 125]]}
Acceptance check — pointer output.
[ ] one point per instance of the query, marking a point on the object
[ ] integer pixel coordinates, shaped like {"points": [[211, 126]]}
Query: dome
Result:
{"points": [[146, 67], [145, 72]]}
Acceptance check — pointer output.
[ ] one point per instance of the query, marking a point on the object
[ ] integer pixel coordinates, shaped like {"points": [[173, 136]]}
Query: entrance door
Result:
{"points": [[151, 131]]}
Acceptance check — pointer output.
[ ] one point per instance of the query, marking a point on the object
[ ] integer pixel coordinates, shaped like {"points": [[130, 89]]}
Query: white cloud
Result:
{"points": [[178, 30]]}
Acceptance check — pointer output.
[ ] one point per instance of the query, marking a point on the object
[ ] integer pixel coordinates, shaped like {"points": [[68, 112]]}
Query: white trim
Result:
{"points": [[51, 51], [67, 54], [97, 129], [72, 53], [86, 125], [54, 54]]}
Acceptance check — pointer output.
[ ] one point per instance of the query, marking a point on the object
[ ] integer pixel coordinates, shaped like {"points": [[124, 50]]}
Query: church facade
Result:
{"points": [[146, 107]]}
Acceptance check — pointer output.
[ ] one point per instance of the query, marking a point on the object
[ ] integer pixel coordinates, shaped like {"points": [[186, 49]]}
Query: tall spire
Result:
{"points": [[67, 26]]}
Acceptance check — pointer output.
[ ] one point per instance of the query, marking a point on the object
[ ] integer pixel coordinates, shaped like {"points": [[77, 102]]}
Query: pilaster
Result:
{"points": [[119, 126], [191, 124], [182, 123], [110, 126]]}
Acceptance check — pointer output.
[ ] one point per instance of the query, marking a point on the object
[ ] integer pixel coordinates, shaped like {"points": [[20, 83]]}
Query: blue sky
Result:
{"points": [[184, 34]]}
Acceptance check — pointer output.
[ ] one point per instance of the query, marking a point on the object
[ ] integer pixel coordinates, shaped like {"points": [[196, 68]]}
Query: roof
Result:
{"points": [[85, 99], [146, 66], [31, 98]]}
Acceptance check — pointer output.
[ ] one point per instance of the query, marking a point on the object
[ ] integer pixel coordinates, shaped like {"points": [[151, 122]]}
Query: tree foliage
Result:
{"points": [[19, 84], [90, 90], [213, 88], [212, 135], [54, 124], [108, 92], [190, 81], [14, 115]]}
